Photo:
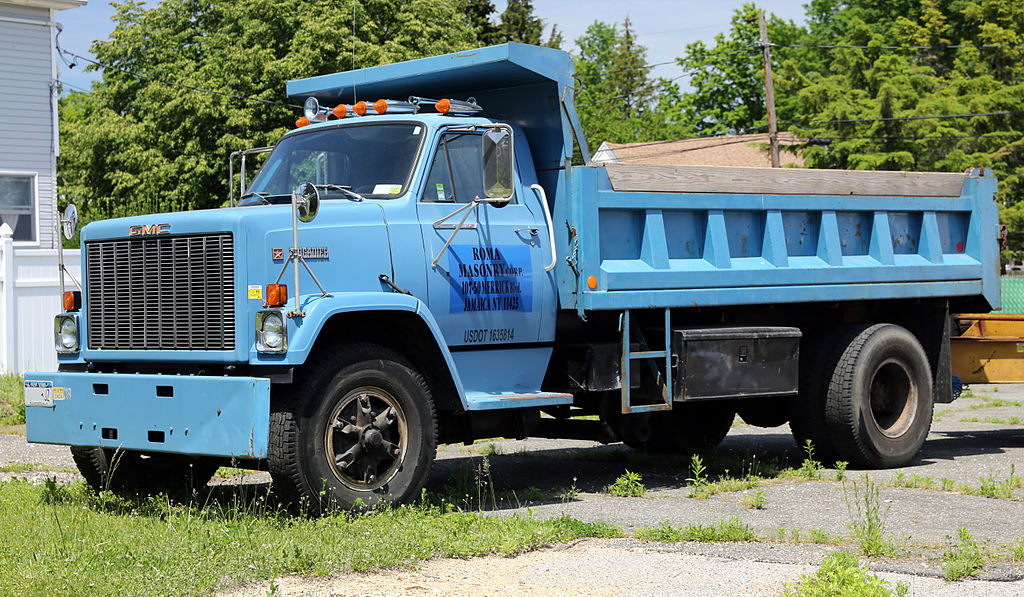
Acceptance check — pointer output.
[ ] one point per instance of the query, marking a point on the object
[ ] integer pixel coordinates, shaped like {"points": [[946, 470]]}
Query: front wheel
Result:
{"points": [[358, 429], [878, 404]]}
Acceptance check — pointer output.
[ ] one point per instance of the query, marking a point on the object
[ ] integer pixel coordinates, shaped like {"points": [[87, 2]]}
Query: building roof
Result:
{"points": [[726, 150], [54, 4]]}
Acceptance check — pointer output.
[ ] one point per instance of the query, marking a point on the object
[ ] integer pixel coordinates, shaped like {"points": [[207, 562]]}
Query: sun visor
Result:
{"points": [[518, 83]]}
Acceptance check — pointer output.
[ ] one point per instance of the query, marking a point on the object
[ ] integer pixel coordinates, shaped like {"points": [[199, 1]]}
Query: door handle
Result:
{"points": [[551, 226]]}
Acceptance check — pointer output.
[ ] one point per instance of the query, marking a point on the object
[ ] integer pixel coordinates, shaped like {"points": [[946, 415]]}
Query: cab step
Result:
{"points": [[488, 401]]}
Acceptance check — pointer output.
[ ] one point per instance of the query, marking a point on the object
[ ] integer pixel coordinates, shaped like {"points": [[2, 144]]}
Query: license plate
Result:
{"points": [[38, 393]]}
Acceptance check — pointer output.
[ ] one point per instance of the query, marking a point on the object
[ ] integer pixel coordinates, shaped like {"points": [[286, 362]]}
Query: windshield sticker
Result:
{"points": [[387, 189], [415, 131], [495, 278], [440, 191], [255, 291]]}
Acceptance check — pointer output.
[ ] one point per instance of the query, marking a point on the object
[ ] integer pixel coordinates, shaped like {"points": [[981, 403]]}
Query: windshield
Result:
{"points": [[372, 160]]}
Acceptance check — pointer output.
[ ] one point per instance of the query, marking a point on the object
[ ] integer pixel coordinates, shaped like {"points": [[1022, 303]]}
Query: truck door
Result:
{"points": [[489, 286]]}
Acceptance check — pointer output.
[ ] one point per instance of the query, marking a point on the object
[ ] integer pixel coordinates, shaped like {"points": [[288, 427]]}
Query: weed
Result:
{"points": [[992, 486], [488, 449], [948, 484], [994, 403], [841, 469], [571, 493], [840, 574], [698, 477], [628, 484], [970, 420], [726, 485], [964, 559], [820, 536], [914, 481], [732, 529], [810, 469], [867, 523], [12, 399], [274, 590], [1017, 554], [755, 501], [967, 393], [24, 467]]}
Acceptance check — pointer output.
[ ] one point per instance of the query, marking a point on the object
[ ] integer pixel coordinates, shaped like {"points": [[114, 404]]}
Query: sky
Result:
{"points": [[663, 26]]}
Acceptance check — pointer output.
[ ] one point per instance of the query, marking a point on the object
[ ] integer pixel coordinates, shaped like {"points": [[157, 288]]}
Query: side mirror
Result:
{"points": [[307, 201], [498, 164], [69, 223]]}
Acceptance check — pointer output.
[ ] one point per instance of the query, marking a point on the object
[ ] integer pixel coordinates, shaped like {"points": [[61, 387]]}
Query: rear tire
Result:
{"points": [[359, 429], [878, 406], [139, 472]]}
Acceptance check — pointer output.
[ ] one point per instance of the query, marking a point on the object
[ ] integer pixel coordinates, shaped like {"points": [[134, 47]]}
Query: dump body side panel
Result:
{"points": [[669, 248]]}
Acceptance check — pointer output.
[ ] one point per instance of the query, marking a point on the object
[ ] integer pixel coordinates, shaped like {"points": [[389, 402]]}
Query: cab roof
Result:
{"points": [[526, 85]]}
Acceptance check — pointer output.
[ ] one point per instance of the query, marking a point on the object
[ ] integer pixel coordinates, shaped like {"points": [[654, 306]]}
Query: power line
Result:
{"points": [[63, 53], [888, 47]]}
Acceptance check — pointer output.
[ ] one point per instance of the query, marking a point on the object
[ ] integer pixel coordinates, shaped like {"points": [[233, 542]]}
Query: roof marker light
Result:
{"points": [[381, 106], [359, 108], [449, 106], [302, 122], [340, 111], [395, 107]]}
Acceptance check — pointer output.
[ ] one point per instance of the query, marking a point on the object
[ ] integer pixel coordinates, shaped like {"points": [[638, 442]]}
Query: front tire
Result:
{"points": [[878, 405], [359, 429]]}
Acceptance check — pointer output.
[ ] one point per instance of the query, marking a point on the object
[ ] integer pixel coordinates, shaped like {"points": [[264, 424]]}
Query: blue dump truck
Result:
{"points": [[404, 272]]}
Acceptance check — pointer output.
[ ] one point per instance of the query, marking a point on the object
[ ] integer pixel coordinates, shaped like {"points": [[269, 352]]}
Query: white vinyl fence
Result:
{"points": [[29, 299]]}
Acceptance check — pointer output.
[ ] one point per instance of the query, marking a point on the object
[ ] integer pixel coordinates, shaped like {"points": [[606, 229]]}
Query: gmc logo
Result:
{"points": [[143, 230]]}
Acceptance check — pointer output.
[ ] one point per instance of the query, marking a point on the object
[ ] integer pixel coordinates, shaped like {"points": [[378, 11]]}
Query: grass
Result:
{"points": [[841, 575], [628, 484], [732, 529], [67, 540], [754, 501], [12, 399], [28, 467], [963, 559]]}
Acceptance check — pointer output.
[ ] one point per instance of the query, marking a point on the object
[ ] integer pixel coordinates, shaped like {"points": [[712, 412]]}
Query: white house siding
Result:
{"points": [[26, 120]]}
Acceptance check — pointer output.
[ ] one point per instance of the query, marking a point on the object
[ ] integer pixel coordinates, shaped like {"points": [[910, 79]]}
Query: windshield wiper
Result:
{"points": [[345, 190]]}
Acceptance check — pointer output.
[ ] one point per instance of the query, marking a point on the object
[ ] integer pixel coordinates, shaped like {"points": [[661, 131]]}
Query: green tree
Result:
{"points": [[136, 144], [617, 101], [518, 23]]}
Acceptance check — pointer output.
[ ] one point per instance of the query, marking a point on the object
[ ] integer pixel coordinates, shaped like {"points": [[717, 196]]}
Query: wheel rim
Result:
{"points": [[894, 397], [365, 439]]}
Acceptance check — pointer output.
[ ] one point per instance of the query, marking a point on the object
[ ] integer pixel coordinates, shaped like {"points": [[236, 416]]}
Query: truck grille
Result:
{"points": [[164, 293]]}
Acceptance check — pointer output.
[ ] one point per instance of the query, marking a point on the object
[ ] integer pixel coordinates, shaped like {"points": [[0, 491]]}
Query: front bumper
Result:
{"points": [[198, 415]]}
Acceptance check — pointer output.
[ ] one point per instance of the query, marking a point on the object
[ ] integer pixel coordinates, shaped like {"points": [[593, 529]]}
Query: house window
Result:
{"points": [[18, 204]]}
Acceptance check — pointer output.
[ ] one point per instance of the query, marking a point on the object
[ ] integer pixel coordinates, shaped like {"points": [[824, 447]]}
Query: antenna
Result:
{"points": [[354, 101]]}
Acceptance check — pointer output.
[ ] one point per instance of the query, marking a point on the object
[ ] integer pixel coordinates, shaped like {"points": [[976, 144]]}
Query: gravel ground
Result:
{"points": [[605, 567], [536, 471]]}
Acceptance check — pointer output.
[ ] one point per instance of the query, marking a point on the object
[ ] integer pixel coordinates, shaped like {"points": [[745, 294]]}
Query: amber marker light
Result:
{"points": [[340, 111], [277, 295], [443, 106], [72, 300], [302, 122], [359, 108], [592, 282], [381, 106]]}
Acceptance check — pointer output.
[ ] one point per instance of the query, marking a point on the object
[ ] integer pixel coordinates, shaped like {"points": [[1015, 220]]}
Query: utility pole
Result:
{"points": [[769, 89]]}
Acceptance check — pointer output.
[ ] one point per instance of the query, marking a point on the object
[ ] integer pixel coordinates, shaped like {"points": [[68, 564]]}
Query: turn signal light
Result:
{"points": [[359, 108], [301, 122], [72, 300], [443, 106], [277, 295], [340, 111]]}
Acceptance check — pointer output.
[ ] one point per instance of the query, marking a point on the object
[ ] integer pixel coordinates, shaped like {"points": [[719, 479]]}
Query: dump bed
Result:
{"points": [[642, 236]]}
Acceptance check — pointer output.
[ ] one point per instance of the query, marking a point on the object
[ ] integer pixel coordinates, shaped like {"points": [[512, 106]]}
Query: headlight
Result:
{"points": [[271, 331], [65, 333]]}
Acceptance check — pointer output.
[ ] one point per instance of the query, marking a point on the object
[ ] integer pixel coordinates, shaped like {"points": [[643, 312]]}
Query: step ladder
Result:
{"points": [[645, 354]]}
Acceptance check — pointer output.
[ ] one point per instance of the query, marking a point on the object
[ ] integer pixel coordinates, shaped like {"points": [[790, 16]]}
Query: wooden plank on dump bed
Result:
{"points": [[781, 181]]}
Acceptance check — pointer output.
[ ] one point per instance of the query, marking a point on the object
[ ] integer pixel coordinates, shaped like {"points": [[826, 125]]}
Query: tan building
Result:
{"points": [[726, 150]]}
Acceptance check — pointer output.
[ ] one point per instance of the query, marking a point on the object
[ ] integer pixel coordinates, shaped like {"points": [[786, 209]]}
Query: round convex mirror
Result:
{"points": [[307, 201], [69, 223]]}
